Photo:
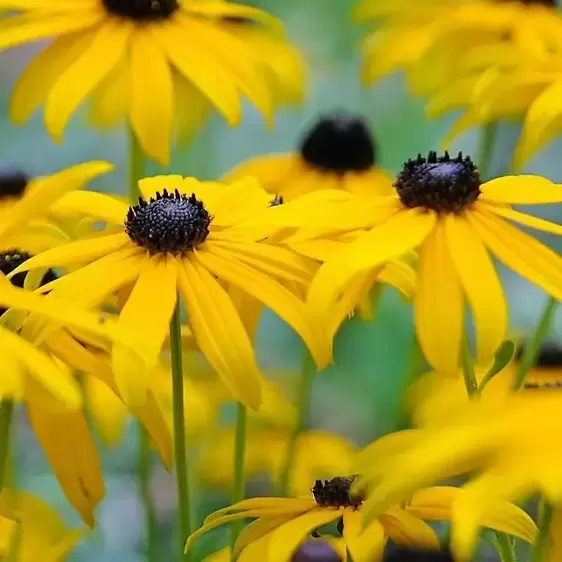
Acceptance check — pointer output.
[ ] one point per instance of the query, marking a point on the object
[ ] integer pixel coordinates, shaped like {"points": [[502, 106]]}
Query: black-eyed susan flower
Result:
{"points": [[148, 61], [283, 524], [31, 529], [506, 446], [185, 236], [339, 152], [442, 208]]}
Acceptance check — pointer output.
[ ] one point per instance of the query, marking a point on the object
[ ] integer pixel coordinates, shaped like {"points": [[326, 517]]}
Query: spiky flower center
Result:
{"points": [[340, 144], [168, 223], [12, 183], [442, 184], [336, 492], [141, 10]]}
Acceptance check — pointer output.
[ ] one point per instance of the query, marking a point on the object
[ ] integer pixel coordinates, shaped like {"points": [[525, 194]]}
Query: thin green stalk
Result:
{"points": [[136, 166], [486, 150], [151, 528], [545, 520], [180, 453], [6, 415], [532, 349], [505, 548], [468, 368], [308, 370], [239, 458]]}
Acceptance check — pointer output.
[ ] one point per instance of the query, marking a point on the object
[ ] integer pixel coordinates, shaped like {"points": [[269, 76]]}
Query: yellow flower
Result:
{"points": [[148, 61], [34, 528], [507, 445], [337, 153], [407, 31], [442, 208], [283, 524], [182, 237], [319, 454]]}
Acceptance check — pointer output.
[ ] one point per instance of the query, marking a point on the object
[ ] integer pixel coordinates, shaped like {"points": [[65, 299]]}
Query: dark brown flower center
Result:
{"points": [[141, 10], [442, 184], [12, 183], [336, 492], [340, 144]]}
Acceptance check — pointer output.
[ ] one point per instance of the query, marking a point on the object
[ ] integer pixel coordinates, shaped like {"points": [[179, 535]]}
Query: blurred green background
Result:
{"points": [[359, 396]]}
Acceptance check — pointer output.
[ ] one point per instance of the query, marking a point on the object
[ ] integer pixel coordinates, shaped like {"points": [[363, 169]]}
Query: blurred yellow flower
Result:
{"points": [[33, 529], [182, 237], [148, 62], [507, 446], [339, 152], [283, 524], [442, 208]]}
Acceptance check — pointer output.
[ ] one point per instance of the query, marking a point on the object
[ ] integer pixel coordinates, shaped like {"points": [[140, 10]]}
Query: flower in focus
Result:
{"points": [[149, 62], [284, 524], [339, 152], [506, 445], [34, 528], [182, 237], [442, 208]]}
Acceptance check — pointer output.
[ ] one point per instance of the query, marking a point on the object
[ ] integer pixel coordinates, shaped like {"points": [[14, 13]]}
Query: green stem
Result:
{"points": [[545, 520], [505, 548], [239, 458], [486, 149], [6, 415], [416, 365], [308, 370], [532, 349], [180, 453], [146, 495], [136, 166], [468, 368]]}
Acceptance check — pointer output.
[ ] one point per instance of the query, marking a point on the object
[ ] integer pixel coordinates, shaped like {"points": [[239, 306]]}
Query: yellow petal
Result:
{"points": [[256, 530], [481, 285], [397, 236], [271, 293], [519, 251], [554, 550], [399, 275], [68, 445], [289, 506], [364, 545], [149, 308], [220, 332], [525, 219], [403, 528], [80, 79], [92, 204], [192, 110], [152, 108], [286, 539], [521, 190], [42, 192], [438, 303]]}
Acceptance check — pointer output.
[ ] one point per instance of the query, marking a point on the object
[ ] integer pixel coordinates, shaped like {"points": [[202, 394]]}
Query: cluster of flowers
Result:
{"points": [[128, 294]]}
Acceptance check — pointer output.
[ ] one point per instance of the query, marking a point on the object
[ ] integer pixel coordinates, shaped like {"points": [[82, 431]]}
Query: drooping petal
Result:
{"points": [[399, 275], [91, 204], [397, 236], [438, 303], [519, 251], [285, 540], [481, 286], [525, 219], [81, 78], [152, 108], [289, 506], [256, 530], [404, 528], [150, 305], [219, 331], [521, 190], [72, 454], [364, 545]]}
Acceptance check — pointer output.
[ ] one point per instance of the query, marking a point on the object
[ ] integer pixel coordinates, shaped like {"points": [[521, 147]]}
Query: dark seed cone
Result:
{"points": [[336, 492], [142, 10], [12, 183]]}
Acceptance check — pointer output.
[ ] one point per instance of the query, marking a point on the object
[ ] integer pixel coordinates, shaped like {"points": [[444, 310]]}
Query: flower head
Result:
{"points": [[442, 209], [338, 152], [186, 236], [284, 524], [162, 64]]}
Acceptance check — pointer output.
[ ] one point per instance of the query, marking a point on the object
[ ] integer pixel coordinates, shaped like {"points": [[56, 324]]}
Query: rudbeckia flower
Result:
{"points": [[146, 61], [339, 152], [182, 237], [34, 528], [407, 30], [283, 524], [442, 209], [506, 447]]}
